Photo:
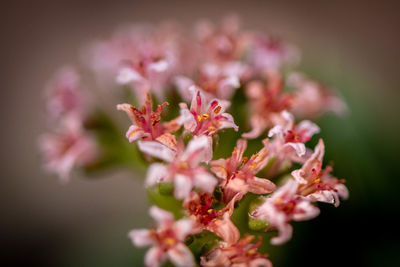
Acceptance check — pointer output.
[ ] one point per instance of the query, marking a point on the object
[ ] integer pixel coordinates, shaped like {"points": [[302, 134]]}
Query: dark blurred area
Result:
{"points": [[352, 45]]}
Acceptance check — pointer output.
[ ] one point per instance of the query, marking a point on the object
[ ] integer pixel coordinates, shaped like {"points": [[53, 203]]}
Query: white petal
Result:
{"points": [[183, 186], [181, 256], [228, 122], [183, 227], [308, 127], [156, 173], [196, 150], [205, 181], [141, 237], [154, 257], [134, 133], [298, 176], [160, 215], [299, 148], [157, 150], [276, 130], [159, 66], [305, 211], [285, 233], [127, 75]]}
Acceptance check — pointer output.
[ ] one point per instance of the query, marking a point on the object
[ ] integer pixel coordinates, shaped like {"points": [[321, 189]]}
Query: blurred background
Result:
{"points": [[351, 45]]}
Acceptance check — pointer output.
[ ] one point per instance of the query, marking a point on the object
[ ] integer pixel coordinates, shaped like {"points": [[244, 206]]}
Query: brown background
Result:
{"points": [[85, 222]]}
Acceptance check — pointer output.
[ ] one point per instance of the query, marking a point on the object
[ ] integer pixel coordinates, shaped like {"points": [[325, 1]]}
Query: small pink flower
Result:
{"points": [[242, 253], [269, 52], [283, 206], [312, 99], [64, 94], [205, 118], [238, 174], [147, 124], [215, 81], [291, 137], [166, 240], [66, 147], [198, 207], [316, 183], [266, 103], [184, 168]]}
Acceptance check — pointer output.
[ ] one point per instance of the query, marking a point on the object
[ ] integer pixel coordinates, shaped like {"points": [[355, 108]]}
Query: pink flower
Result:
{"points": [[240, 254], [312, 99], [269, 52], [198, 207], [238, 174], [317, 184], [184, 168], [66, 147], [289, 136], [266, 103], [215, 81], [141, 56], [64, 95], [147, 124], [166, 240], [205, 119], [283, 206]]}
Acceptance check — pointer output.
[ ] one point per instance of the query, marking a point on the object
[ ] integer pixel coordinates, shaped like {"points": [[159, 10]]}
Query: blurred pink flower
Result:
{"points": [[184, 168], [266, 103], [147, 124], [238, 174], [66, 147], [166, 240], [283, 206], [198, 207], [317, 184], [64, 94], [242, 253], [312, 99]]}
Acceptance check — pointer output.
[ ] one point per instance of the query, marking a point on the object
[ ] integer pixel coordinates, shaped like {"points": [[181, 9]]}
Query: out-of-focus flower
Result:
{"points": [[66, 147], [311, 99], [166, 240], [64, 94], [184, 168], [142, 56], [266, 103], [268, 52], [316, 183], [147, 124], [283, 206], [238, 174], [215, 81], [242, 253], [198, 207]]}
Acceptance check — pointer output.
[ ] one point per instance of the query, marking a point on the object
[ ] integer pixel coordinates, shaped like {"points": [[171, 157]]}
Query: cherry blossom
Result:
{"points": [[166, 240]]}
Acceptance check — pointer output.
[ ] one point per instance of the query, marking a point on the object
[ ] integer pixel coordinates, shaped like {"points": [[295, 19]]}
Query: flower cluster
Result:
{"points": [[204, 76]]}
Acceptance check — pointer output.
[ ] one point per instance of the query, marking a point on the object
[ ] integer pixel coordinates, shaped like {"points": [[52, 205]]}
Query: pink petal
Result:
{"points": [[197, 150], [299, 148], [322, 196], [186, 118], [308, 128], [168, 140], [286, 191], [225, 229], [227, 122], [183, 186], [154, 257], [218, 167], [205, 181], [285, 233], [161, 216], [156, 173], [259, 262], [198, 104], [134, 133], [141, 237], [127, 75], [299, 176], [159, 66], [182, 228], [157, 150], [260, 186], [181, 256], [342, 191], [276, 130], [183, 83], [305, 211]]}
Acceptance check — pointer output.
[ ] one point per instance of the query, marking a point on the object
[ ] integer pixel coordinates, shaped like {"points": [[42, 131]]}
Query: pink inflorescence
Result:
{"points": [[203, 75]]}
